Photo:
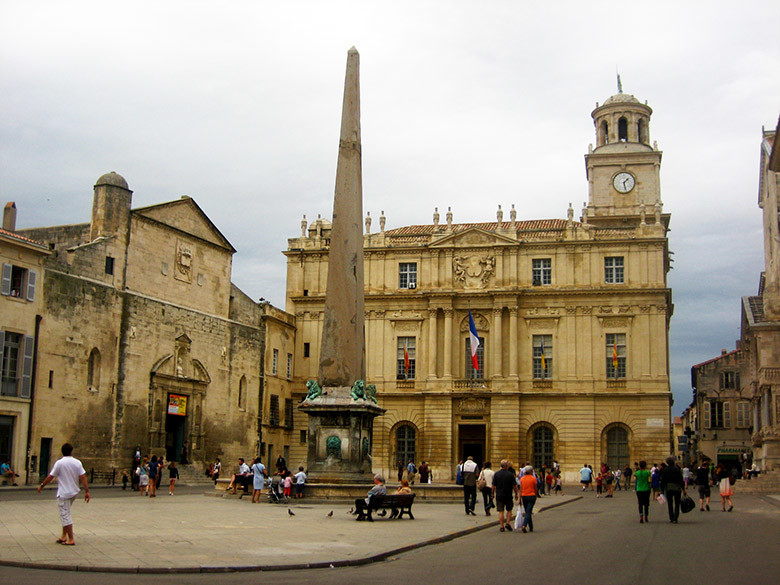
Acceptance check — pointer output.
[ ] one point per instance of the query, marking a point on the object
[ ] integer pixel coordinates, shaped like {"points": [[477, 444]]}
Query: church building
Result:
{"points": [[572, 318]]}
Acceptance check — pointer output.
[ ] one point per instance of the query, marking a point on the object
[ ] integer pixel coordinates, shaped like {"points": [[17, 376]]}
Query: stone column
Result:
{"points": [[513, 357], [432, 343], [448, 343], [495, 342]]}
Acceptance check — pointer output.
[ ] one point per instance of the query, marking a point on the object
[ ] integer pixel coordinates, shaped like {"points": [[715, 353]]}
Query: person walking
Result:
{"points": [[173, 475], [485, 485], [673, 487], [703, 485], [185, 451], [69, 472], [258, 480], [154, 469], [642, 483], [425, 472], [655, 481], [724, 484], [505, 492], [469, 472], [586, 476], [529, 487], [627, 472], [143, 477]]}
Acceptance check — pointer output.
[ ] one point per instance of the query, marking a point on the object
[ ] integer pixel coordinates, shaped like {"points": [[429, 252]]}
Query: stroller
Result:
{"points": [[276, 493]]}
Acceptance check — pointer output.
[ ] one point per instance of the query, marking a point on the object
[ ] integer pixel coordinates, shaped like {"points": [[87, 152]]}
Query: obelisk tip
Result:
{"points": [[352, 50]]}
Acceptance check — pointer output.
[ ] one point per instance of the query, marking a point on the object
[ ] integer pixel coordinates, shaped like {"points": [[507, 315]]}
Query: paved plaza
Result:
{"points": [[193, 532]]}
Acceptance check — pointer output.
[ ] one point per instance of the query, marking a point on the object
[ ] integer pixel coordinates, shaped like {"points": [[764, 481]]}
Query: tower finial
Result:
{"points": [[620, 84]]}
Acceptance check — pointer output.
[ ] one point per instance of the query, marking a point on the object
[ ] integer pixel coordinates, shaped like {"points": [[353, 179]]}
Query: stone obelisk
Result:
{"points": [[341, 407], [343, 347]]}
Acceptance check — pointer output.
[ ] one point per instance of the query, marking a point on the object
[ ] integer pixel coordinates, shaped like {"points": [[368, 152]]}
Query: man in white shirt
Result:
{"points": [[69, 472], [469, 474], [241, 478]]}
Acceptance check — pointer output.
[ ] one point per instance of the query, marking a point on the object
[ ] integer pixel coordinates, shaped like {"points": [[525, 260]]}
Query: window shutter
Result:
{"points": [[722, 381], [2, 348], [736, 382], [27, 360], [31, 276], [706, 408], [6, 285], [726, 415]]}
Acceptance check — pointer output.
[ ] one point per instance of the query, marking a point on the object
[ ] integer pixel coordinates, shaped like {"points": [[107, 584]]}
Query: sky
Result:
{"points": [[464, 104]]}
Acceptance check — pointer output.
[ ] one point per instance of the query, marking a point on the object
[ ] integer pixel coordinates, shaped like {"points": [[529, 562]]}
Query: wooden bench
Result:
{"points": [[400, 503]]}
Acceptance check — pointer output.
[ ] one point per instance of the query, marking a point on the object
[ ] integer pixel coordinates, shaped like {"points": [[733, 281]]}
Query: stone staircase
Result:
{"points": [[192, 474], [767, 482]]}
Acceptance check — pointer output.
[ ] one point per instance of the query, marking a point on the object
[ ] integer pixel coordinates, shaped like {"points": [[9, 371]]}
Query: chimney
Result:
{"points": [[9, 217], [723, 351]]}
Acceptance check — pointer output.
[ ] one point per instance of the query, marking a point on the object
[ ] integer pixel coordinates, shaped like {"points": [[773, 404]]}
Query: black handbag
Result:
{"points": [[687, 504]]}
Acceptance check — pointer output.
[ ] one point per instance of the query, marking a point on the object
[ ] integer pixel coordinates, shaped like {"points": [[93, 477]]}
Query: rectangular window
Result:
{"points": [[18, 282], [471, 373], [109, 265], [407, 275], [303, 437], [716, 414], [729, 380], [273, 414], [542, 357], [12, 363], [275, 362], [289, 366], [306, 349], [406, 358], [743, 414], [542, 271], [616, 355], [288, 413], [613, 270]]}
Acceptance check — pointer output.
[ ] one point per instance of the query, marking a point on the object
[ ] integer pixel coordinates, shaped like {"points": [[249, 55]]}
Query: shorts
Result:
{"points": [[599, 489], [502, 505], [64, 505], [299, 489], [704, 491]]}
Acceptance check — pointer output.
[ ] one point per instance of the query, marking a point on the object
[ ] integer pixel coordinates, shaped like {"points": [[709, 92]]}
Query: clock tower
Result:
{"points": [[624, 168]]}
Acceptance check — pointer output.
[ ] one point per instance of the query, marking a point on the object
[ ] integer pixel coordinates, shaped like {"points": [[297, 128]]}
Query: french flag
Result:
{"points": [[474, 342]]}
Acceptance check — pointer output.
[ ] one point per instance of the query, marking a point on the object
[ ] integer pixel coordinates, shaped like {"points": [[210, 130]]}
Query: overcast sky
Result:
{"points": [[464, 104]]}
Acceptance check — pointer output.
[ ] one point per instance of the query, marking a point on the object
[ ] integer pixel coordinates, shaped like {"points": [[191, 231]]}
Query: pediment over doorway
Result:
{"points": [[182, 367]]}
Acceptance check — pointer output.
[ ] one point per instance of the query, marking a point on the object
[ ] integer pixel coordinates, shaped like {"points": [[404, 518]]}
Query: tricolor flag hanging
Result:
{"points": [[544, 359], [407, 363], [474, 342]]}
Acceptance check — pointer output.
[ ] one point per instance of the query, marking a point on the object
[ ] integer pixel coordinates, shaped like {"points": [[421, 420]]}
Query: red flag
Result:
{"points": [[407, 363], [614, 355]]}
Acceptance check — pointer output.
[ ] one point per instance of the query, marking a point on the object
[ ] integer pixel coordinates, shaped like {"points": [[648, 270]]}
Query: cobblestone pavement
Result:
{"points": [[197, 533]]}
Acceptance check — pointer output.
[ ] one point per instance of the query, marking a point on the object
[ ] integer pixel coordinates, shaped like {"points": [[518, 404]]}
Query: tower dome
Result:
{"points": [[113, 179], [622, 119]]}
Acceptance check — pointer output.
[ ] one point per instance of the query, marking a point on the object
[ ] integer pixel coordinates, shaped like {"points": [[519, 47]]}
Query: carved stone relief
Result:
{"points": [[183, 263], [479, 320], [472, 405], [474, 270]]}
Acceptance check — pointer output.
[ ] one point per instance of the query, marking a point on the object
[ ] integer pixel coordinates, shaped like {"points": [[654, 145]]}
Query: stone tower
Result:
{"points": [[624, 168]]}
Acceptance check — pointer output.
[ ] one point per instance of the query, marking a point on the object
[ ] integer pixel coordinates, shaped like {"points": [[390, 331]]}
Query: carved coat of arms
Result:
{"points": [[473, 271]]}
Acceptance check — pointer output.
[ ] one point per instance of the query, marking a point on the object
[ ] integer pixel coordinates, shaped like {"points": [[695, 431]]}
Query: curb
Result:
{"points": [[267, 568]]}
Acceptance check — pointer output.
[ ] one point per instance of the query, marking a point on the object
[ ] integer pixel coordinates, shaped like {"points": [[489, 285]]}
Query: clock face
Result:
{"points": [[623, 182]]}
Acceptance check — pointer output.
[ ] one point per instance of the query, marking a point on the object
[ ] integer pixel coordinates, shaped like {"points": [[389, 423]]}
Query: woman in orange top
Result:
{"points": [[528, 491]]}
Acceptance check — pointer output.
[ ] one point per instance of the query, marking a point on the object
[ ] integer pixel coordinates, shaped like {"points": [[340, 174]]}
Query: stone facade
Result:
{"points": [[145, 342], [760, 337], [20, 307], [723, 412], [573, 318]]}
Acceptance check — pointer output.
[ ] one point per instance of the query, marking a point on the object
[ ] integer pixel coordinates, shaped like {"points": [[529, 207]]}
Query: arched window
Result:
{"points": [[242, 393], [604, 134], [617, 447], [406, 443], [543, 447], [641, 129], [93, 370], [622, 130]]}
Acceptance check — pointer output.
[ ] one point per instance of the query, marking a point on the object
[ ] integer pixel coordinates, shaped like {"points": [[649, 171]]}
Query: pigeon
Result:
{"points": [[290, 512], [330, 514], [351, 511]]}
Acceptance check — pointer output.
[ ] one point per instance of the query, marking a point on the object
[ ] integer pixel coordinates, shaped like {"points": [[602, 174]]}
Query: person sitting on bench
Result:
{"points": [[241, 478], [379, 489]]}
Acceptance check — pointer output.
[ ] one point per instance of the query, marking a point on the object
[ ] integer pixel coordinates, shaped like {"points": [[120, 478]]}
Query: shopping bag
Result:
{"points": [[687, 504], [661, 499]]}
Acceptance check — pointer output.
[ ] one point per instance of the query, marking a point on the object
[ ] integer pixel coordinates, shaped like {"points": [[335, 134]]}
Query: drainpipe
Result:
{"points": [[38, 319]]}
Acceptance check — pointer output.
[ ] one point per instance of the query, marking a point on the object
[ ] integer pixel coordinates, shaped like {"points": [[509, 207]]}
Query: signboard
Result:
{"points": [[177, 404], [655, 422]]}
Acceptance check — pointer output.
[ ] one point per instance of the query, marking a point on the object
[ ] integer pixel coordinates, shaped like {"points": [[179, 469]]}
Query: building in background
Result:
{"points": [[572, 319], [20, 309], [145, 342]]}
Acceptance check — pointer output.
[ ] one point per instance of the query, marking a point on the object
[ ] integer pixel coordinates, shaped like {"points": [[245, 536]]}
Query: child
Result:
{"points": [[300, 481], [288, 485], [124, 479], [549, 480], [173, 474], [559, 486], [599, 482]]}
